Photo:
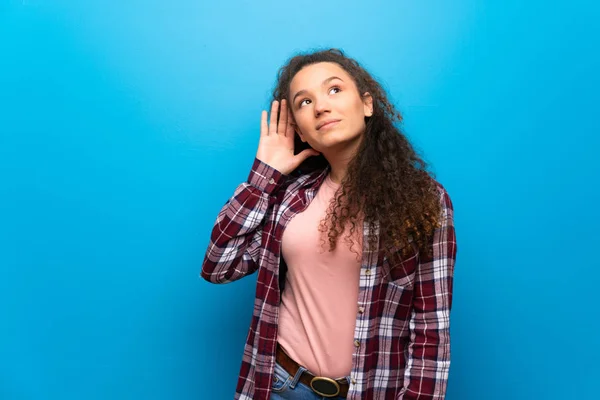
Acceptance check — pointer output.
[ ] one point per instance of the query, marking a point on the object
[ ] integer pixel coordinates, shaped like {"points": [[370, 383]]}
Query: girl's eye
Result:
{"points": [[333, 87]]}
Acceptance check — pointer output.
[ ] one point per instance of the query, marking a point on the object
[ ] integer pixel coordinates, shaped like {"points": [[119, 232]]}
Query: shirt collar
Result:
{"points": [[316, 178]]}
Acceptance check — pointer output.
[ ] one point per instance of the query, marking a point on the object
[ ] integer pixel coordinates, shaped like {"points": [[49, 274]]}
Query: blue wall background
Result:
{"points": [[124, 127]]}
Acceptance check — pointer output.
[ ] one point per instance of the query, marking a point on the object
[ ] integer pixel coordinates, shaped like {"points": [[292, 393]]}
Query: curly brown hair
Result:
{"points": [[386, 183]]}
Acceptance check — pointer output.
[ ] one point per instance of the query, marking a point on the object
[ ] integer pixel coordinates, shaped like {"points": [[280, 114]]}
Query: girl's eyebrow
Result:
{"points": [[326, 81]]}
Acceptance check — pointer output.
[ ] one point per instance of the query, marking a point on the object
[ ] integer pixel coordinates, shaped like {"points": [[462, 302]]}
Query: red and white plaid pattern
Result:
{"points": [[402, 333]]}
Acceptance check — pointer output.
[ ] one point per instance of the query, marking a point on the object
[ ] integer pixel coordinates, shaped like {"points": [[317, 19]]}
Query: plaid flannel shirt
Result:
{"points": [[402, 334]]}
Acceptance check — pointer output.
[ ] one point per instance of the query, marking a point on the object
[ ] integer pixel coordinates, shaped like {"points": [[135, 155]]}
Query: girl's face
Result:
{"points": [[324, 92]]}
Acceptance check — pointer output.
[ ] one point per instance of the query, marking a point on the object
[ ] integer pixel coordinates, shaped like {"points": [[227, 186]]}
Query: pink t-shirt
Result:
{"points": [[320, 300]]}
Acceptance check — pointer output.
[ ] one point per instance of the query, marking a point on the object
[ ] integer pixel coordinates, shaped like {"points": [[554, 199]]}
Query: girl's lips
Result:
{"points": [[328, 125]]}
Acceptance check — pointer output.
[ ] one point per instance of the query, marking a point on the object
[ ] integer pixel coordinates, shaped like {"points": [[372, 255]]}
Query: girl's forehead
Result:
{"points": [[314, 74]]}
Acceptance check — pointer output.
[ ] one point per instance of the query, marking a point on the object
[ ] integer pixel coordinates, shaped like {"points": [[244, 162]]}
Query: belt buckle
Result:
{"points": [[324, 386]]}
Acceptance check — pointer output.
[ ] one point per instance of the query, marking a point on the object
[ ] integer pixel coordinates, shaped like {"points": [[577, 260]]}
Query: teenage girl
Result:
{"points": [[353, 240]]}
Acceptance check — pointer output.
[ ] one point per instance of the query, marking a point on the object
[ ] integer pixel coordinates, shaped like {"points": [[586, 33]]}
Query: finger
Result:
{"points": [[283, 117], [264, 128], [274, 112]]}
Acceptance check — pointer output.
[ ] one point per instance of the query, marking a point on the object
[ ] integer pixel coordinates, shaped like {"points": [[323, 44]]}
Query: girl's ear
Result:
{"points": [[292, 121], [291, 117], [300, 135], [368, 104]]}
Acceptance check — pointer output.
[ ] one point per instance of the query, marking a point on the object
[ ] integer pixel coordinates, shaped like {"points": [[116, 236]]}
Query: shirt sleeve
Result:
{"points": [[428, 362], [236, 236]]}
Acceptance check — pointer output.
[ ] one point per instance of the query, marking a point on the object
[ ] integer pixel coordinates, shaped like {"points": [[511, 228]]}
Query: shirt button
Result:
{"points": [[272, 181], [368, 272], [356, 343], [361, 310], [353, 381]]}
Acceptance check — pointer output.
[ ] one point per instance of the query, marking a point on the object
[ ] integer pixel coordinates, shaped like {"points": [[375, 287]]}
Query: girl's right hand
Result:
{"points": [[276, 144]]}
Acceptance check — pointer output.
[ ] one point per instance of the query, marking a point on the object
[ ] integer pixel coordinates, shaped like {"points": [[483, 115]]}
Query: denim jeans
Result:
{"points": [[286, 386]]}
